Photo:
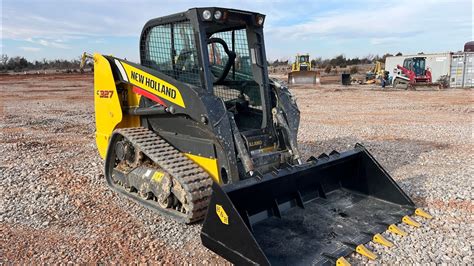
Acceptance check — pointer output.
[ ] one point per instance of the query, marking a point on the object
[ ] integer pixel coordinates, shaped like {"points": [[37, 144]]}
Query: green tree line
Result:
{"points": [[340, 61], [19, 63]]}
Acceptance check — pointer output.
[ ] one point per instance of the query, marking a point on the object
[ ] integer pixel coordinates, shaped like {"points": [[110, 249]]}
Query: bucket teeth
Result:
{"points": [[362, 250], [342, 262], [378, 238], [423, 214], [408, 220], [394, 229]]}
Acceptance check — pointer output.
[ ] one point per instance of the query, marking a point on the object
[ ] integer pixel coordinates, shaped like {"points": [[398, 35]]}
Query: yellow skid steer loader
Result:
{"points": [[198, 131]]}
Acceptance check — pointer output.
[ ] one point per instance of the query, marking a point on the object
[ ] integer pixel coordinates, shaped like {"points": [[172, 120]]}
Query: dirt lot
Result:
{"points": [[56, 207]]}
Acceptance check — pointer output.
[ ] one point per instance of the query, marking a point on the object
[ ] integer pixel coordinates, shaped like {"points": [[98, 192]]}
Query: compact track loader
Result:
{"points": [[414, 74], [198, 130]]}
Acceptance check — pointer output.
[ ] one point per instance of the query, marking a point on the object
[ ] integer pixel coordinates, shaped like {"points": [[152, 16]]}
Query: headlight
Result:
{"points": [[260, 20], [218, 14], [206, 14]]}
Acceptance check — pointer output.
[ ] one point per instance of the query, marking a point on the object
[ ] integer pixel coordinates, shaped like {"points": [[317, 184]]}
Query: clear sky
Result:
{"points": [[63, 29]]}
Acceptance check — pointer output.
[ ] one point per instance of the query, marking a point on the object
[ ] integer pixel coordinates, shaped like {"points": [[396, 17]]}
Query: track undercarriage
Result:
{"points": [[144, 167]]}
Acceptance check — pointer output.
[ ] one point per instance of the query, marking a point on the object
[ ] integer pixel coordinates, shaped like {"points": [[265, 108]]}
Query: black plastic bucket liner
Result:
{"points": [[304, 215]]}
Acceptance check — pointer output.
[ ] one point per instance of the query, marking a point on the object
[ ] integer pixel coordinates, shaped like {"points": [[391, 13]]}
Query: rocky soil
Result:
{"points": [[425, 141], [56, 207]]}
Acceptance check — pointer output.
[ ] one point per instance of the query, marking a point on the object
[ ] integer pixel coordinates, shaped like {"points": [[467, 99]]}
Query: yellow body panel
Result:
{"points": [[153, 85], [108, 112], [108, 109], [208, 164]]}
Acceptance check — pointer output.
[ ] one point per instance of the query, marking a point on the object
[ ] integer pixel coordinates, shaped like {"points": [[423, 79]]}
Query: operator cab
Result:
{"points": [[304, 58], [416, 64], [229, 46], [303, 62], [231, 67]]}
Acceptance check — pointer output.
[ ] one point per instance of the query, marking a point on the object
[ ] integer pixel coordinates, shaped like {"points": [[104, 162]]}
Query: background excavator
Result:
{"points": [[197, 131], [301, 71], [374, 74]]}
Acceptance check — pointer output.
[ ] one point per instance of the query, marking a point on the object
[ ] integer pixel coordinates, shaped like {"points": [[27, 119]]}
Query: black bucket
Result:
{"points": [[308, 214], [346, 79]]}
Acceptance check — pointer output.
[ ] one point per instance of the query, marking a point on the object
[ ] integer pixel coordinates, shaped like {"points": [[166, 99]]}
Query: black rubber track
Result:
{"points": [[195, 181]]}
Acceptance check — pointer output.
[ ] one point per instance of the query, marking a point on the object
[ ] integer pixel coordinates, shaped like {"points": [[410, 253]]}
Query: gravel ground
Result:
{"points": [[55, 205]]}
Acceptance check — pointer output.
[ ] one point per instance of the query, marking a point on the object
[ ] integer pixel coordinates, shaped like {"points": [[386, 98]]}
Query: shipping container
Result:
{"points": [[457, 71], [439, 63], [462, 71], [391, 63], [468, 70]]}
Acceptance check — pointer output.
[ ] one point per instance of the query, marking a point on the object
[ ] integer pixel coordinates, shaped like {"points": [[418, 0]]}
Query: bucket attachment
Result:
{"points": [[314, 213], [304, 77]]}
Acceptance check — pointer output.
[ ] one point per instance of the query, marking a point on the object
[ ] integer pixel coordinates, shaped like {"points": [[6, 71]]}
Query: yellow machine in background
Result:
{"points": [[375, 73], [302, 63], [301, 72]]}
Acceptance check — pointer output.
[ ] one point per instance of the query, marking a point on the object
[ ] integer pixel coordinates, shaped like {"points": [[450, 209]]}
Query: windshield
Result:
{"points": [[239, 80], [218, 58], [304, 59], [419, 66], [237, 87]]}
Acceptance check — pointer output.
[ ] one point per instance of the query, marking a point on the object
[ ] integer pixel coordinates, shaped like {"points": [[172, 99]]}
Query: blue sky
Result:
{"points": [[54, 29]]}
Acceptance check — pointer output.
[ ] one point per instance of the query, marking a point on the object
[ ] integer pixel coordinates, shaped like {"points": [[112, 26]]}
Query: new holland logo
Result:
{"points": [[153, 84], [222, 214]]}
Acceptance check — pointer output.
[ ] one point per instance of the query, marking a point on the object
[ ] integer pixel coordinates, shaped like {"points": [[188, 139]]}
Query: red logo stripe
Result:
{"points": [[149, 95]]}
